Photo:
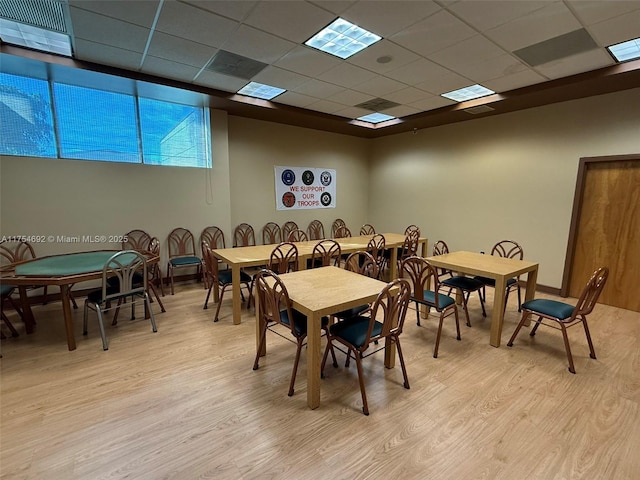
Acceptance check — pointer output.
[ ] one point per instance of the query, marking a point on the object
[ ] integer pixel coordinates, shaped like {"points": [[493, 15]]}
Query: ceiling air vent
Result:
{"points": [[47, 14], [556, 48], [234, 65], [479, 109], [377, 104]]}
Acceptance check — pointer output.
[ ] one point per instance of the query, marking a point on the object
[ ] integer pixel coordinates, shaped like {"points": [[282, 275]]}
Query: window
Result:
{"points": [[91, 123]]}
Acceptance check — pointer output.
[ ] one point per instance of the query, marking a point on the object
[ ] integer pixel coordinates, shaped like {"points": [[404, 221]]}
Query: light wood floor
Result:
{"points": [[184, 403]]}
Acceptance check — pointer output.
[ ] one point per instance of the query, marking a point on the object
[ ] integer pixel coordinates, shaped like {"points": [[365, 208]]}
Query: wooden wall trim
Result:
{"points": [[577, 208]]}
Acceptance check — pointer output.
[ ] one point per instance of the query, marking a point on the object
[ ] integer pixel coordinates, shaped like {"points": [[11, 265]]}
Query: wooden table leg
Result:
{"points": [[314, 358], [68, 317], [237, 299], [530, 292], [497, 316]]}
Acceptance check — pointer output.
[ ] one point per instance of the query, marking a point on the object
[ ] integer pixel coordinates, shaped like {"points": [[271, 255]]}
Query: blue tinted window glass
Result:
{"points": [[26, 122], [95, 124], [173, 134]]}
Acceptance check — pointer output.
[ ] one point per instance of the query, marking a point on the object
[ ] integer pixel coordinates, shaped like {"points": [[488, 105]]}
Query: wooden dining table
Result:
{"points": [[63, 271], [498, 268], [319, 292], [253, 256]]}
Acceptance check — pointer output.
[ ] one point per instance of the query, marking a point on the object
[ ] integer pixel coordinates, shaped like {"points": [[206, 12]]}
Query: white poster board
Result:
{"points": [[300, 188]]}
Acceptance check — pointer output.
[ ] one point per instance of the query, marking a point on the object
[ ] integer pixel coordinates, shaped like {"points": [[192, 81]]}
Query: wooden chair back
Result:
{"points": [[181, 243], [421, 274], [363, 263], [342, 232], [244, 236], [508, 249], [284, 258], [326, 252], [274, 299], [214, 237], [589, 296], [297, 236], [13, 252], [316, 230], [367, 229], [337, 223], [287, 228], [136, 240], [271, 234]]}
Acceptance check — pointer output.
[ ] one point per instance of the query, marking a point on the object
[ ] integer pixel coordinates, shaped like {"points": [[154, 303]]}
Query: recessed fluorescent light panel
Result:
{"points": [[375, 118], [468, 93], [626, 50], [342, 39], [258, 90], [34, 37]]}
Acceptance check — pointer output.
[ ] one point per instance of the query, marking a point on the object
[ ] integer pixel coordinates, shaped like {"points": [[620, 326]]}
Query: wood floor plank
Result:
{"points": [[185, 403]]}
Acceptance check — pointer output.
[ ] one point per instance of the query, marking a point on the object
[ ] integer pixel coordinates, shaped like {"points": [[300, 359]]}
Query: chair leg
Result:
{"points": [[330, 346], [295, 368], [365, 406], [263, 335], [206, 300], [7, 322], [44, 295], [155, 293], [402, 364], [484, 312], [535, 327], [567, 348], [418, 313], [84, 320], [466, 309], [170, 272], [519, 299], [455, 311], [147, 301], [515, 333], [103, 335], [592, 352], [215, 319], [435, 349]]}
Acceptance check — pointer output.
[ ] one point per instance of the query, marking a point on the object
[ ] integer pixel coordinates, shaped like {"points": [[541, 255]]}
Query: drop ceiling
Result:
{"points": [[519, 49]]}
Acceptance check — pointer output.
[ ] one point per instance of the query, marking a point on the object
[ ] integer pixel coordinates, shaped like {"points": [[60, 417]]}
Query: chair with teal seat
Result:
{"points": [[561, 315], [421, 274], [182, 253], [221, 279], [356, 334], [276, 311], [125, 265], [363, 263], [505, 249]]}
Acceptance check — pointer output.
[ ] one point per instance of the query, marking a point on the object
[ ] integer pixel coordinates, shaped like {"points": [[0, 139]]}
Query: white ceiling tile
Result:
{"points": [[318, 89], [352, 112], [618, 29], [107, 55], [138, 12], [515, 80], [472, 50], [379, 86], [278, 77], [580, 63], [401, 111], [389, 16], [491, 68], [346, 75], [234, 9], [368, 57], [180, 50], [295, 99], [596, 11], [219, 81], [108, 31], [307, 61], [487, 14], [407, 95], [543, 24], [432, 103], [168, 69], [434, 33], [326, 106], [350, 97], [294, 21], [258, 45], [192, 23], [334, 6], [441, 80]]}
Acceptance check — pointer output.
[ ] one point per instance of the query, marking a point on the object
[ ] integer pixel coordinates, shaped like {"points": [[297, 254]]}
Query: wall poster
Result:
{"points": [[305, 188]]}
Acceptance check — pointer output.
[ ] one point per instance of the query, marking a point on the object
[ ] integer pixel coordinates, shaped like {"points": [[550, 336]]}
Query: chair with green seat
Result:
{"points": [[182, 253], [376, 247], [505, 249], [136, 240], [441, 248], [464, 285], [561, 316], [287, 228], [276, 311], [367, 229], [125, 266], [422, 274], [244, 236], [221, 279], [316, 230], [356, 334], [363, 263], [271, 233]]}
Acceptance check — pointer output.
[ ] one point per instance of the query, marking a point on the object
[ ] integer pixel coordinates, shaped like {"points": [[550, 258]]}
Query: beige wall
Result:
{"points": [[255, 147], [506, 177]]}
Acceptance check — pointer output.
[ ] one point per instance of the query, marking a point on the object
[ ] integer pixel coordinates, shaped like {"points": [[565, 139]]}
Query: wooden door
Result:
{"points": [[608, 230]]}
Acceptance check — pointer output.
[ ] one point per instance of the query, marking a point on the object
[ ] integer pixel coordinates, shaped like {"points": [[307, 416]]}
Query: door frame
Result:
{"points": [[577, 210]]}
